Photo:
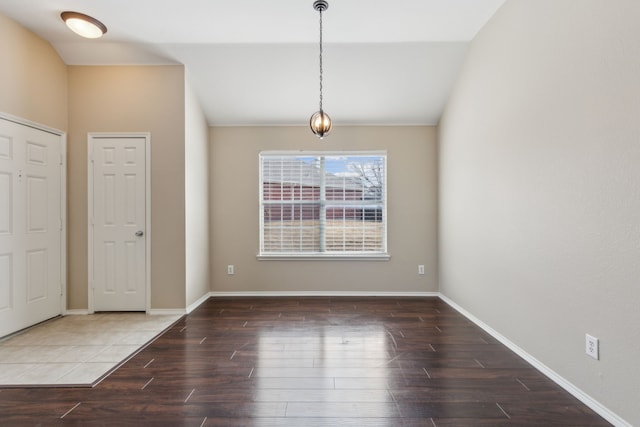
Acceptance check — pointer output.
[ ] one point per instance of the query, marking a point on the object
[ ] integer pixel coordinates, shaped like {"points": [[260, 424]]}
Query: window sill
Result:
{"points": [[327, 257]]}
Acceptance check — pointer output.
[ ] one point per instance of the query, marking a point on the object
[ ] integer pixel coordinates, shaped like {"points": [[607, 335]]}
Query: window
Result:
{"points": [[323, 204]]}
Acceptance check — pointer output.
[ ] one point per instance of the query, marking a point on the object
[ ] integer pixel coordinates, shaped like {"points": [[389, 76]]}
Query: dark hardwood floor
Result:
{"points": [[308, 362]]}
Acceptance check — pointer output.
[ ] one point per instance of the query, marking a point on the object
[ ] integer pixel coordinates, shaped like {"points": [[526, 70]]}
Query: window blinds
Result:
{"points": [[322, 203]]}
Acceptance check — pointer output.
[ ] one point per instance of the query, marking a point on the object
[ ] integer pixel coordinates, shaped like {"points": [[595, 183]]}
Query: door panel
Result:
{"points": [[36, 275], [30, 226], [36, 196], [6, 282], [119, 212], [6, 203]]}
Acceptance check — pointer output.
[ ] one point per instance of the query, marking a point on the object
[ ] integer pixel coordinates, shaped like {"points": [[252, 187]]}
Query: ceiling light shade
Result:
{"points": [[84, 25], [320, 121]]}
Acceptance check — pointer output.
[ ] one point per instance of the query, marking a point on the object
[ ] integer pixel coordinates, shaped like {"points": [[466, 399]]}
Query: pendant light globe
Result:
{"points": [[320, 124]]}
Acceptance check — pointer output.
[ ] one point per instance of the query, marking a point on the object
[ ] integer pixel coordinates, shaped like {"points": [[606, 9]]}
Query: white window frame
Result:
{"points": [[382, 255]]}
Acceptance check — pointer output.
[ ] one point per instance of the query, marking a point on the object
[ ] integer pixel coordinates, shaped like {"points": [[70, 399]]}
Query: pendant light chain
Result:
{"points": [[320, 59], [320, 122]]}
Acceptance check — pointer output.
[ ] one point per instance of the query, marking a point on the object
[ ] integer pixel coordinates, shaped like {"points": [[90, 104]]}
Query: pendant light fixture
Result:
{"points": [[84, 25], [320, 121]]}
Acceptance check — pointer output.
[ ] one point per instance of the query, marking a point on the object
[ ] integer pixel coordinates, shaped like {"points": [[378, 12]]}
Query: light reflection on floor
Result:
{"points": [[314, 360]]}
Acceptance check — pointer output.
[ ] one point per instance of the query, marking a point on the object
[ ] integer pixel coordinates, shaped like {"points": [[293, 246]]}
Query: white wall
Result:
{"points": [[540, 189], [196, 170]]}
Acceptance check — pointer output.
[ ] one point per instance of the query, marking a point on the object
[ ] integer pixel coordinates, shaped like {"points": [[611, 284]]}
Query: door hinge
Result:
{"points": [[61, 160]]}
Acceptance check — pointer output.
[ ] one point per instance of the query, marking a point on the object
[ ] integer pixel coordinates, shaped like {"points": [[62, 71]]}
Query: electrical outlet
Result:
{"points": [[230, 269], [421, 269], [592, 347]]}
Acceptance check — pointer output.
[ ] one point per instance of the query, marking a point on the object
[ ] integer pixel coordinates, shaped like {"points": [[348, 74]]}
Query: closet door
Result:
{"points": [[30, 226]]}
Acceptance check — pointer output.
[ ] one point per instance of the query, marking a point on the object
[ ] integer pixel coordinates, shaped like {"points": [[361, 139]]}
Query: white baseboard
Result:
{"points": [[554, 376], [81, 312], [321, 294], [197, 303]]}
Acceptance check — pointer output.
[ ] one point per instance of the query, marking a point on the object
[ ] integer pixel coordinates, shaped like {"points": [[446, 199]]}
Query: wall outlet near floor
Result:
{"points": [[230, 269], [592, 347], [421, 269]]}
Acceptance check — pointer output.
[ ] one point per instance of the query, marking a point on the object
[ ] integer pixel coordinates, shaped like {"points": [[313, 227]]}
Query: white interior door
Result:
{"points": [[118, 208], [30, 226]]}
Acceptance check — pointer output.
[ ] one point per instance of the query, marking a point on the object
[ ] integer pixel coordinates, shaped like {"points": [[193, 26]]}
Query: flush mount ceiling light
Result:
{"points": [[320, 121], [84, 25]]}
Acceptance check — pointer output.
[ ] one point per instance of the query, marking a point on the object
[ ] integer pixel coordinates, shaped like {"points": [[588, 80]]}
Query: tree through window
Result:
{"points": [[329, 203]]}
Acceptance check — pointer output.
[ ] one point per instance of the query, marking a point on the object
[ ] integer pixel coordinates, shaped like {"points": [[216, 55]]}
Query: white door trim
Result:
{"points": [[63, 198], [147, 146]]}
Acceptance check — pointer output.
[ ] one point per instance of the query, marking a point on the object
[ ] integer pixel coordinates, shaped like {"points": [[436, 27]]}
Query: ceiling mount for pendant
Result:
{"points": [[320, 121], [320, 5]]}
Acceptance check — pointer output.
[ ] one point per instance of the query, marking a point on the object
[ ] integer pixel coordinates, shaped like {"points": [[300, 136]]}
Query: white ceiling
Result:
{"points": [[255, 62]]}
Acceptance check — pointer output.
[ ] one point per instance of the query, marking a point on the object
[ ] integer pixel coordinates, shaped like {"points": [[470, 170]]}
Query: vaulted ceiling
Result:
{"points": [[253, 62]]}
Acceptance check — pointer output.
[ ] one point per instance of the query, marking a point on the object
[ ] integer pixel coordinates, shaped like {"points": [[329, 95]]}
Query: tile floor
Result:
{"points": [[76, 350]]}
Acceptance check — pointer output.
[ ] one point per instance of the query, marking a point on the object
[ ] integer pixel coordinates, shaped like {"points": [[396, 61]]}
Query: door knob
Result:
{"points": [[139, 233]]}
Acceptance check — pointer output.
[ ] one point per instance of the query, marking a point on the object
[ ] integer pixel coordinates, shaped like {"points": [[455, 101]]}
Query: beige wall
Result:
{"points": [[196, 198], [33, 78], [540, 189], [131, 99], [412, 209]]}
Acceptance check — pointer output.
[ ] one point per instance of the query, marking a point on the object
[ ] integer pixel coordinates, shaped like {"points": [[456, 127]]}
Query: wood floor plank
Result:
{"points": [[475, 410], [342, 409], [312, 362]]}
